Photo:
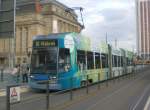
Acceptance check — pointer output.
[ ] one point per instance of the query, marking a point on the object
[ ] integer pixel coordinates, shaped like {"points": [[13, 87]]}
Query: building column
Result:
{"points": [[55, 26]]}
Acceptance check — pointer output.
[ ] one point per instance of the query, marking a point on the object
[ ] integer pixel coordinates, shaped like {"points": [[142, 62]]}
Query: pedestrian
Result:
{"points": [[25, 71], [14, 74], [18, 73]]}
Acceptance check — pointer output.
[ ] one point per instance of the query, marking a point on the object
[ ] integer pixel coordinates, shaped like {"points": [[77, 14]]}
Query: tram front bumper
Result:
{"points": [[43, 86]]}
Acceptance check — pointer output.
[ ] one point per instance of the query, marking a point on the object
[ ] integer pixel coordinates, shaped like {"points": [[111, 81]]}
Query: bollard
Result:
{"points": [[119, 76], [8, 98], [127, 75], [47, 95], [123, 74], [130, 76], [2, 75], [107, 80], [71, 90], [114, 77], [87, 84], [134, 73], [99, 78]]}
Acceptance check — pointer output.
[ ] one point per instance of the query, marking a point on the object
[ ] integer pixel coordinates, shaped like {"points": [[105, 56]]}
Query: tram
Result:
{"points": [[68, 61]]}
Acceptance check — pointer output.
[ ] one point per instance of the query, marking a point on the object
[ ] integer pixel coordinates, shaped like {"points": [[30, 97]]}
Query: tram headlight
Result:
{"points": [[31, 76], [54, 77]]}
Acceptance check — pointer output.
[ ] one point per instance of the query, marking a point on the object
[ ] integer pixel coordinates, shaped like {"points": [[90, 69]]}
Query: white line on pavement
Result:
{"points": [[140, 99], [147, 105]]}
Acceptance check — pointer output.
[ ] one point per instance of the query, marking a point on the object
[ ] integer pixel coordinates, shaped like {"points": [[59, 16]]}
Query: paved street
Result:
{"points": [[125, 93], [130, 96]]}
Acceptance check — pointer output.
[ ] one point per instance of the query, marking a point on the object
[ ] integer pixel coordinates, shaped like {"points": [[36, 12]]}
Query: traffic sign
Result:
{"points": [[14, 95], [7, 15]]}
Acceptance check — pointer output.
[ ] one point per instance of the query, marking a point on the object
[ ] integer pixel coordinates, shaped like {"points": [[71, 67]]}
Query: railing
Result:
{"points": [[51, 100]]}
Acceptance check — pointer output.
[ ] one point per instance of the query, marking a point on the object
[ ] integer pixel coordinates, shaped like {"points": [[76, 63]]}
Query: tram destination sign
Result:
{"points": [[45, 43]]}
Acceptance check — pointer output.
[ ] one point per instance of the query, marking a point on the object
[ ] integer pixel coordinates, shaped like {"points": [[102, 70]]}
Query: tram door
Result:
{"points": [[124, 62], [81, 62]]}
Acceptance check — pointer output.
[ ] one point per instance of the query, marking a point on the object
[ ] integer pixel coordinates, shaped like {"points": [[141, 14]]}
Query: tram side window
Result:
{"points": [[128, 62], [119, 61], [122, 61], [64, 60], [81, 59], [90, 60], [97, 61], [115, 60], [131, 62], [104, 60]]}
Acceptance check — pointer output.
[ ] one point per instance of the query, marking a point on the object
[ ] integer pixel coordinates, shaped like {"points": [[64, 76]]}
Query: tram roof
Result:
{"points": [[83, 45], [52, 36]]}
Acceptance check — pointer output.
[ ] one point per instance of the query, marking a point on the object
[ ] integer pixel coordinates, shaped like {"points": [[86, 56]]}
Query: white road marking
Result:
{"points": [[140, 99], [147, 105]]}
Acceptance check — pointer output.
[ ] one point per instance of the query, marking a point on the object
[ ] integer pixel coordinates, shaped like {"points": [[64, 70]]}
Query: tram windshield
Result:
{"points": [[44, 60]]}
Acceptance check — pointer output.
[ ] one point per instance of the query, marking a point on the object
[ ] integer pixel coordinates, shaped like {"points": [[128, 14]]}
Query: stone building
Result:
{"points": [[36, 17]]}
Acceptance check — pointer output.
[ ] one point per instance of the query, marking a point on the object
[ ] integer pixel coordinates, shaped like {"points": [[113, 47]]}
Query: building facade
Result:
{"points": [[143, 29], [36, 17]]}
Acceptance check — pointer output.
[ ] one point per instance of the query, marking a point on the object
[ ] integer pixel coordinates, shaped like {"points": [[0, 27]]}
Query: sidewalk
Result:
{"points": [[8, 80]]}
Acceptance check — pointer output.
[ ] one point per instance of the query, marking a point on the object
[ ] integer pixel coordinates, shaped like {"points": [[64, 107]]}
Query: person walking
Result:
{"points": [[18, 73], [25, 72], [15, 74]]}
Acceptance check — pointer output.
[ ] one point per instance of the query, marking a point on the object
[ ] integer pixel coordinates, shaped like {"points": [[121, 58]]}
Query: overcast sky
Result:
{"points": [[114, 17]]}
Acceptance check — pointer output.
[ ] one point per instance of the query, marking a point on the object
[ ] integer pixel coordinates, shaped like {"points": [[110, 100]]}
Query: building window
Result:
{"points": [[24, 60], [18, 60]]}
